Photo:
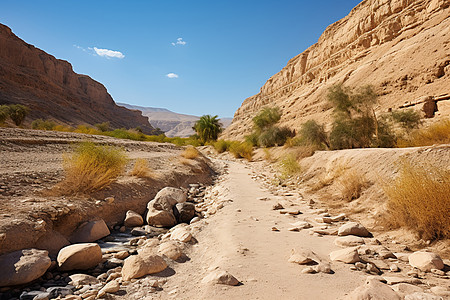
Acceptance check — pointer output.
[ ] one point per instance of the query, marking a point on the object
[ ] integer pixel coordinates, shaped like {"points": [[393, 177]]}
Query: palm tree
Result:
{"points": [[208, 128]]}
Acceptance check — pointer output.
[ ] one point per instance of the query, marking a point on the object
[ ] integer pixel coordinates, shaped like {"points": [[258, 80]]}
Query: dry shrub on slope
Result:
{"points": [[141, 169], [190, 152], [419, 198], [91, 167], [437, 133]]}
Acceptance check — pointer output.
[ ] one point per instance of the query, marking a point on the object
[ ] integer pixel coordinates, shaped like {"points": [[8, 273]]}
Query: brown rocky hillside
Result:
{"points": [[401, 47], [52, 90]]}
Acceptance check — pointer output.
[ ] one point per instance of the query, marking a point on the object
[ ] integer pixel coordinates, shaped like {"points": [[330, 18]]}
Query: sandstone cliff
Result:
{"points": [[53, 90], [401, 47]]}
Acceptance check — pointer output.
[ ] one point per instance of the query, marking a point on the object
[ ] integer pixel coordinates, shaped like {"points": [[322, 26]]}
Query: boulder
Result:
{"points": [[133, 219], [166, 199], [347, 255], [79, 257], [425, 261], [348, 241], [373, 290], [35, 295], [160, 218], [353, 228], [23, 266], [90, 232], [184, 212], [422, 296], [220, 277], [170, 249], [137, 266], [82, 279], [181, 234]]}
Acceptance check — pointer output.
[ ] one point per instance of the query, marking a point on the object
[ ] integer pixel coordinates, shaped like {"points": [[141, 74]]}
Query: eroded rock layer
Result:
{"points": [[52, 90], [401, 47]]}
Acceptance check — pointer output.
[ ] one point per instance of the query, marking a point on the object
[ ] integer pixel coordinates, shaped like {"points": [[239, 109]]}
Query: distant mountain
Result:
{"points": [[52, 90], [172, 123]]}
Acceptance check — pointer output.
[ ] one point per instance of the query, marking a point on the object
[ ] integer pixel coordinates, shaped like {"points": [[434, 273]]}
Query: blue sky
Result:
{"points": [[193, 57]]}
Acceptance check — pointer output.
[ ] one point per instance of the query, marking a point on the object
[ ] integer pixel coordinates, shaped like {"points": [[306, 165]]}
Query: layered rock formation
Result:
{"points": [[172, 123], [52, 90], [401, 47]]}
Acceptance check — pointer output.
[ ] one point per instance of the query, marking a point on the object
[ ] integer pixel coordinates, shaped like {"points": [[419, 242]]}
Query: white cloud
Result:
{"points": [[79, 47], [108, 53], [179, 42], [172, 75]]}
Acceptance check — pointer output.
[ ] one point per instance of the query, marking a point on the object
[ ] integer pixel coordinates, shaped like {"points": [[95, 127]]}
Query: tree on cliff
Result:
{"points": [[208, 128]]}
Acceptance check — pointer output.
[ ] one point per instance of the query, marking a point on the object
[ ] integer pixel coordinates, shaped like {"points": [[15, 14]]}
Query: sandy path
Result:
{"points": [[240, 240]]}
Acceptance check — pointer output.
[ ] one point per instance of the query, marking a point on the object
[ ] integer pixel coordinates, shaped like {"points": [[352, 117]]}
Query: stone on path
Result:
{"points": [[111, 288], [133, 219], [181, 234], [23, 266], [404, 289], [137, 266], [220, 277], [82, 279], [184, 212], [425, 261], [373, 290], [302, 256], [353, 228], [422, 296], [170, 249], [79, 257], [348, 241], [160, 218], [90, 232], [348, 255]]}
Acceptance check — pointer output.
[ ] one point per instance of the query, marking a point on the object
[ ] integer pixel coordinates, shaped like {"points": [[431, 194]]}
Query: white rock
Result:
{"points": [[181, 234], [348, 255], [373, 290], [133, 219], [82, 279], [79, 257], [353, 228], [137, 266], [111, 288], [302, 256], [425, 261], [220, 277], [166, 198], [170, 249]]}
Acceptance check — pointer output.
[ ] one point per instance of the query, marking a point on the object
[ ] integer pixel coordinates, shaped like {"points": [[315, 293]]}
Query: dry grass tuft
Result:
{"points": [[327, 178], [190, 152], [437, 133], [419, 199], [90, 168], [241, 150], [141, 169], [351, 186], [289, 166]]}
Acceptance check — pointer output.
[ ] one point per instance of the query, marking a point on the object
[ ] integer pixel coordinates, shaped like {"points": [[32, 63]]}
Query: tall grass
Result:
{"points": [[190, 152], [222, 146], [141, 169], [420, 199], [351, 185], [241, 150], [91, 167], [437, 133], [289, 166]]}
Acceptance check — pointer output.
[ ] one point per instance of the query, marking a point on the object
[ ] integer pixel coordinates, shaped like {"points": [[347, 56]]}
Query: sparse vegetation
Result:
{"points": [[141, 169], [190, 152], [437, 133], [312, 133], [351, 185], [208, 128], [91, 167], [408, 119], [105, 127], [222, 146], [43, 124], [4, 113], [419, 198], [241, 150], [289, 166]]}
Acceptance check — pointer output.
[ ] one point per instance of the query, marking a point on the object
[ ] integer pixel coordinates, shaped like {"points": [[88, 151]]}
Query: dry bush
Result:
{"points": [[241, 150], [437, 133], [289, 166], [419, 198], [190, 152], [141, 169], [91, 167], [327, 178], [351, 186]]}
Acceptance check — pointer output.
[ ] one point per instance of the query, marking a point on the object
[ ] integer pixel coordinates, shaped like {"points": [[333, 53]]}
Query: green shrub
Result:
{"points": [[408, 119], [43, 124], [18, 113], [91, 167], [313, 133], [252, 139], [222, 146], [241, 150], [274, 136], [419, 199], [103, 126], [4, 113], [126, 134], [267, 117]]}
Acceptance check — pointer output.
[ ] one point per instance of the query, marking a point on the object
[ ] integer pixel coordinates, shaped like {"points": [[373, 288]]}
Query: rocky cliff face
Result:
{"points": [[401, 47], [53, 90]]}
